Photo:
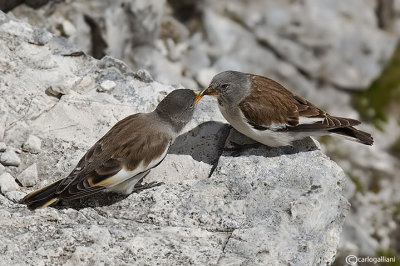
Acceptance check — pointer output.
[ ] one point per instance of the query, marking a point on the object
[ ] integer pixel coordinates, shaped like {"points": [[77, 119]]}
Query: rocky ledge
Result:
{"points": [[209, 203]]}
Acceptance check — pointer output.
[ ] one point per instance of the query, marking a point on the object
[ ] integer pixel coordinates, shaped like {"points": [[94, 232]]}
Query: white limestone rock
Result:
{"points": [[10, 158], [28, 177], [7, 183], [14, 196], [33, 144]]}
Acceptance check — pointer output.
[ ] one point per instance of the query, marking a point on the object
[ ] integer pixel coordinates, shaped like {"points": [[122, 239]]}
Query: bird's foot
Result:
{"points": [[142, 187]]}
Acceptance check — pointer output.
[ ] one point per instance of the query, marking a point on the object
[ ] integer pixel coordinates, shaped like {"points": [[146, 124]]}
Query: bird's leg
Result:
{"points": [[141, 187], [237, 148]]}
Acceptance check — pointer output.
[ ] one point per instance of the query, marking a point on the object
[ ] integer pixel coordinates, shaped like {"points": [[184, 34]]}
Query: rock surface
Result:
{"points": [[215, 205], [33, 144], [28, 177], [3, 146], [10, 158], [7, 183]]}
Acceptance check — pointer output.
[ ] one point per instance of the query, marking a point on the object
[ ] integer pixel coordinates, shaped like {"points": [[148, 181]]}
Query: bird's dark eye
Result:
{"points": [[224, 86]]}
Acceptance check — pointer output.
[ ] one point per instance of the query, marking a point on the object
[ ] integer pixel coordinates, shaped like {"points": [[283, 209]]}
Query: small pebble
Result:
{"points": [[29, 176], [144, 75], [32, 144], [10, 158], [7, 183], [3, 146], [106, 86]]}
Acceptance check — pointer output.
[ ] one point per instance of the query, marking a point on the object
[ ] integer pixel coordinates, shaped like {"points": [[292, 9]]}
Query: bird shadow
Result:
{"points": [[209, 140], [105, 198], [204, 143], [238, 144]]}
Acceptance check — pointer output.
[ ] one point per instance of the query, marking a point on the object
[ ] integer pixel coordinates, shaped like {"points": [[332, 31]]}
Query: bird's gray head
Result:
{"points": [[229, 86], [177, 108]]}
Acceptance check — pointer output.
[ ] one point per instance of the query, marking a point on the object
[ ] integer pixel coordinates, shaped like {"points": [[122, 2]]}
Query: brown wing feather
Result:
{"points": [[272, 104]]}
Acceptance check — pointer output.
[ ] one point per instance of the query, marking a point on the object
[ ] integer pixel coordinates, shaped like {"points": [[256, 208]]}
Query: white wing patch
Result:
{"points": [[274, 126], [125, 174], [310, 120]]}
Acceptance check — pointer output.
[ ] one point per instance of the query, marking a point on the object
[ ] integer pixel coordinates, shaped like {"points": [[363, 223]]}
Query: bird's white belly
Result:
{"points": [[124, 181], [267, 137]]}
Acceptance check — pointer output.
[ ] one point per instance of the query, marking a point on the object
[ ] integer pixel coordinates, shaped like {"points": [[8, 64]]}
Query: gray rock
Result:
{"points": [[3, 146], [33, 144], [10, 158], [215, 205], [2, 169], [144, 75], [7, 183], [28, 177]]}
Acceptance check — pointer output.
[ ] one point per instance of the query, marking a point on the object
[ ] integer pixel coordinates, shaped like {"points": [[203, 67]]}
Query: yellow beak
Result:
{"points": [[206, 91]]}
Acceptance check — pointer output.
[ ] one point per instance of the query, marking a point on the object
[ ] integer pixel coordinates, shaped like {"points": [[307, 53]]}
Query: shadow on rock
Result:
{"points": [[204, 143], [238, 144], [209, 140], [100, 199]]}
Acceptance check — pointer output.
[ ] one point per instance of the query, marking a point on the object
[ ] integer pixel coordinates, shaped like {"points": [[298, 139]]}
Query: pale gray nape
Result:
{"points": [[232, 86]]}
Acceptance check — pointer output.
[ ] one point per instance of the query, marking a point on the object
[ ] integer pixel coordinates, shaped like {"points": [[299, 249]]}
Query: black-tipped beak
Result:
{"points": [[207, 91]]}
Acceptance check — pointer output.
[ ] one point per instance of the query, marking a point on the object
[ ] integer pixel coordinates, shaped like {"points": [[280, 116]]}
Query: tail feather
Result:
{"points": [[354, 134], [42, 197]]}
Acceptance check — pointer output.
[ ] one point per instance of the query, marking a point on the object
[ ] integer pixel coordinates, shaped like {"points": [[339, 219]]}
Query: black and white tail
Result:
{"points": [[42, 197]]}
